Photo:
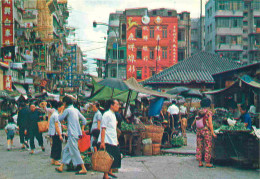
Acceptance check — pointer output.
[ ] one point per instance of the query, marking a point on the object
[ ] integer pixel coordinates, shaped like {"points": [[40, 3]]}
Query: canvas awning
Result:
{"points": [[20, 88], [217, 91], [249, 81]]}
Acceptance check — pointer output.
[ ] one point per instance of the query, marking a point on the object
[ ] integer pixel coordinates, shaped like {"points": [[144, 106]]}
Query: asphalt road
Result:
{"points": [[18, 164]]}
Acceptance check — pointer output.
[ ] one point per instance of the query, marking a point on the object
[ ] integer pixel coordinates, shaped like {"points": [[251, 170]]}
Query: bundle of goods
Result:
{"points": [[177, 141]]}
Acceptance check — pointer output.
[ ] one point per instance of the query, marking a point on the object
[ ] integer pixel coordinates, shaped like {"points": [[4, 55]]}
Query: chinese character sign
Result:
{"points": [[8, 82], [7, 23]]}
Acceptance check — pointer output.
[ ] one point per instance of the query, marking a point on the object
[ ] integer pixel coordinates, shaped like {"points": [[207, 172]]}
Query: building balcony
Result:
{"points": [[229, 31], [229, 47], [222, 13], [28, 81], [255, 48], [256, 13], [16, 80]]}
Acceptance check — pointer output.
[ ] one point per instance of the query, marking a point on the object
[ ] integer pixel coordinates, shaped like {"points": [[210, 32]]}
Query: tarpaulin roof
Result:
{"points": [[101, 92], [249, 81], [219, 90], [20, 88]]}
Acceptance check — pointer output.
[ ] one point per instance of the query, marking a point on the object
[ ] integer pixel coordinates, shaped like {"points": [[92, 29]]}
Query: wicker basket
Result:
{"points": [[154, 132], [148, 149], [156, 149], [102, 161]]}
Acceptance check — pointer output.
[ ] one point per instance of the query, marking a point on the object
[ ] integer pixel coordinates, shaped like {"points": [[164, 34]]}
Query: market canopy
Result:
{"points": [[218, 91], [250, 81], [120, 91]]}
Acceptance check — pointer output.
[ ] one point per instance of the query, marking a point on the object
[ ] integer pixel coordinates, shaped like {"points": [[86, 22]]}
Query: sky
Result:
{"points": [[84, 12]]}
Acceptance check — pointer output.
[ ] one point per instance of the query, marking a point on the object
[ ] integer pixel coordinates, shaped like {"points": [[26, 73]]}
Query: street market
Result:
{"points": [[129, 89]]}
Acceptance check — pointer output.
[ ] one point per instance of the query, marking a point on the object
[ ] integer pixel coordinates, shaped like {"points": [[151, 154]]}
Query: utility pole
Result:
{"points": [[201, 32]]}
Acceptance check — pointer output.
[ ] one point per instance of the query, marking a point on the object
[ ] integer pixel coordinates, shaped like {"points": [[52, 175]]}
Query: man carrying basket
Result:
{"points": [[108, 137]]}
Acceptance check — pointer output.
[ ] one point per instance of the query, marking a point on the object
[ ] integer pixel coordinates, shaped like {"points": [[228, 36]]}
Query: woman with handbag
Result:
{"points": [[108, 137], [55, 132], [205, 133]]}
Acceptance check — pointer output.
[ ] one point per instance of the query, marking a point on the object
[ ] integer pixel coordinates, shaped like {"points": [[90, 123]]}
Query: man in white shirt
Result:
{"points": [[173, 113], [108, 136]]}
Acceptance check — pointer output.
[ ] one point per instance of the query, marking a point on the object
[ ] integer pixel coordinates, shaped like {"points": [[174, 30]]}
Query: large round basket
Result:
{"points": [[156, 149], [154, 132], [102, 161]]}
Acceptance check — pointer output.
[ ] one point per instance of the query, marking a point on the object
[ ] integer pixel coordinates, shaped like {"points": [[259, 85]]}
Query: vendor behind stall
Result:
{"points": [[245, 117], [167, 131]]}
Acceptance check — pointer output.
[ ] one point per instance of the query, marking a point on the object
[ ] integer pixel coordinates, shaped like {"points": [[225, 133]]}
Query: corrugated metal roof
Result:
{"points": [[199, 67]]}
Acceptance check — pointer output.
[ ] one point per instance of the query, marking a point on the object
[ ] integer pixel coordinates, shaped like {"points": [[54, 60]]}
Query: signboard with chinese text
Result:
{"points": [[7, 23], [8, 82]]}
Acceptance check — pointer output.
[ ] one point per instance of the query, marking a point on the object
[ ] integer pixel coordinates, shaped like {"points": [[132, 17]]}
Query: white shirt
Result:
{"points": [[97, 117], [183, 110], [54, 118], [173, 109], [109, 122]]}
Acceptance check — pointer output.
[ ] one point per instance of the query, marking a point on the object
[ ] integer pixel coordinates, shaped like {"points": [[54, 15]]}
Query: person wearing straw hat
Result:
{"points": [[71, 151], [108, 136]]}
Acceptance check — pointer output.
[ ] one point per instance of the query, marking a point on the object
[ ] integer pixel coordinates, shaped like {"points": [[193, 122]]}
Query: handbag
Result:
{"points": [[102, 161], [84, 142], [42, 126]]}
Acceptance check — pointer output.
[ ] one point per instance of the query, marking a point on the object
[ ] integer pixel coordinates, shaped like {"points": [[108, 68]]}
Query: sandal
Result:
{"points": [[210, 166], [80, 173], [58, 170], [112, 175], [200, 165]]}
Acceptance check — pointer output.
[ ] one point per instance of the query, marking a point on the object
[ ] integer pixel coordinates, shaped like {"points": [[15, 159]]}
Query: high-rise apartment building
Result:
{"points": [[233, 29]]}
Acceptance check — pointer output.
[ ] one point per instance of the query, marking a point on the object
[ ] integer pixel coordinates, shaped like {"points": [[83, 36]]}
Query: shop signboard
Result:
{"points": [[7, 23]]}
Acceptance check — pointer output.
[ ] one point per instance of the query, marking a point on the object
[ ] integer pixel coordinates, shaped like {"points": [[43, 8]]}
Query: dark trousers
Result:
{"points": [[56, 148], [23, 137], [38, 136], [175, 117]]}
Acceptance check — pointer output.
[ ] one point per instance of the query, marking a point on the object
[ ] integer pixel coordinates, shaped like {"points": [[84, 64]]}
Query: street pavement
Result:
{"points": [[18, 164]]}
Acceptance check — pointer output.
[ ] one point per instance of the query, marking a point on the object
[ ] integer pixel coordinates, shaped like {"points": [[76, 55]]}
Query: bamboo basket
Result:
{"points": [[148, 149], [156, 149], [102, 161], [154, 132]]}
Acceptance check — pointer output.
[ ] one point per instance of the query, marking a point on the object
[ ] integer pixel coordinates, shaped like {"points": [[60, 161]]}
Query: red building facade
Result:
{"points": [[147, 37]]}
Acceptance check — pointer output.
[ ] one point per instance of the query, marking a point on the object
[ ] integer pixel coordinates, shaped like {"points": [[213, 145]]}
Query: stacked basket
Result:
{"points": [[156, 134]]}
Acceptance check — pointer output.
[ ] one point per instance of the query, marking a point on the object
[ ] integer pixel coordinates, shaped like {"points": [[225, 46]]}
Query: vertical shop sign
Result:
{"points": [[7, 23]]}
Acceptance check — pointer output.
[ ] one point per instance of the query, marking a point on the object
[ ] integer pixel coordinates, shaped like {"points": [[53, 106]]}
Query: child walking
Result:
{"points": [[10, 129]]}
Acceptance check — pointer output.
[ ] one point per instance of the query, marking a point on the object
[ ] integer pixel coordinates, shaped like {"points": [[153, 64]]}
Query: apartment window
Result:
{"points": [[151, 32], [139, 33], [221, 5], [164, 32], [113, 72], [236, 40], [154, 12], [180, 35], [139, 54], [169, 13], [257, 23], [151, 53], [236, 22], [180, 56], [139, 73], [223, 39], [123, 32], [223, 22], [121, 54], [114, 54], [164, 53], [210, 28], [152, 71]]}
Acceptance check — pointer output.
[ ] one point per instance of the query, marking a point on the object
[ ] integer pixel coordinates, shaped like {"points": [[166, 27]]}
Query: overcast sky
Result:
{"points": [[84, 12]]}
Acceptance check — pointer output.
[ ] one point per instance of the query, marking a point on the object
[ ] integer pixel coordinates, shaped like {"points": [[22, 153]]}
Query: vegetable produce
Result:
{"points": [[239, 126], [177, 141], [127, 127]]}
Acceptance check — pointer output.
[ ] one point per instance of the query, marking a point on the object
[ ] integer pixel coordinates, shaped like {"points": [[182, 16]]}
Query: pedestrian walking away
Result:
{"points": [[10, 130], [71, 151]]}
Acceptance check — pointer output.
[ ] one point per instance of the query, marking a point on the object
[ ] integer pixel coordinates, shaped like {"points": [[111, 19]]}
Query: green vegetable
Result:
{"points": [[239, 126], [127, 127], [177, 141]]}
